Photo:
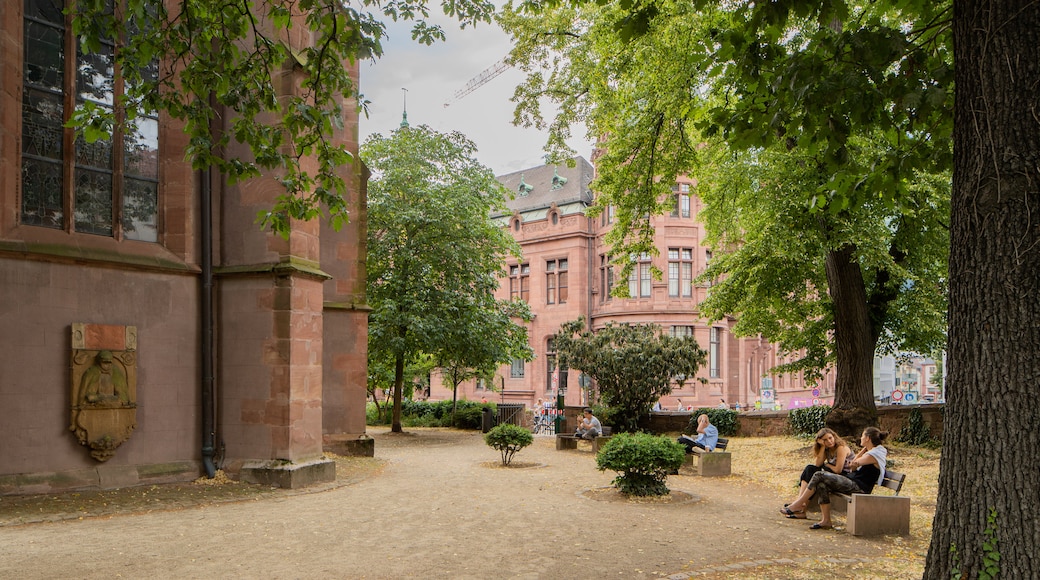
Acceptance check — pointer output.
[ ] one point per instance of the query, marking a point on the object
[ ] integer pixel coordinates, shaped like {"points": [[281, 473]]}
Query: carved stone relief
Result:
{"points": [[103, 390]]}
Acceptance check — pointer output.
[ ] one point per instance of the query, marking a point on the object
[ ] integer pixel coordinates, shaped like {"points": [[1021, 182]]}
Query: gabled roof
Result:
{"points": [[541, 187]]}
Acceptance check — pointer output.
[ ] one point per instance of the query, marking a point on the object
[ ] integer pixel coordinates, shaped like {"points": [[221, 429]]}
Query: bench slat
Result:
{"points": [[893, 480]]}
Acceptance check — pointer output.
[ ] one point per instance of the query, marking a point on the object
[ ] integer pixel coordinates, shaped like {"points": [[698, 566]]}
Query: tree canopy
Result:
{"points": [[886, 67], [842, 109], [435, 256], [632, 365], [191, 59]]}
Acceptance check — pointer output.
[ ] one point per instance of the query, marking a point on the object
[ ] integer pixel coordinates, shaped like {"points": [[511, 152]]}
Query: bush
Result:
{"points": [[430, 414], [723, 419], [508, 439], [469, 414], [915, 431], [806, 422], [643, 462]]}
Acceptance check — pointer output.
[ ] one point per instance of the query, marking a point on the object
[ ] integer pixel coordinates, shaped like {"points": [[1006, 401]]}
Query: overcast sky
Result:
{"points": [[433, 74]]}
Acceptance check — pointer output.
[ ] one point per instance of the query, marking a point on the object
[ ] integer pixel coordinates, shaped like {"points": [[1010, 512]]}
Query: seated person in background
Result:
{"points": [[707, 436], [867, 470], [589, 427], [830, 453]]}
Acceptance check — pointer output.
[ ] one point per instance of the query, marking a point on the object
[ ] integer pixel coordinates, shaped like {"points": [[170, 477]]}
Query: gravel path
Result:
{"points": [[441, 508]]}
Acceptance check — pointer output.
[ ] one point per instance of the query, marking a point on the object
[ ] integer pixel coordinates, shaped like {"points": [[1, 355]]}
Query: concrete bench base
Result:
{"points": [[571, 442], [875, 515], [714, 464]]}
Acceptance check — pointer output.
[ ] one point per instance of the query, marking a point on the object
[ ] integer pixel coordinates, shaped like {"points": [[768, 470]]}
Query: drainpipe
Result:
{"points": [[208, 407]]}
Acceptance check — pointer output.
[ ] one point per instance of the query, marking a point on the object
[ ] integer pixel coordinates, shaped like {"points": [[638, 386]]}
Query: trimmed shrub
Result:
{"points": [[724, 420], [508, 439], [643, 462], [807, 421]]}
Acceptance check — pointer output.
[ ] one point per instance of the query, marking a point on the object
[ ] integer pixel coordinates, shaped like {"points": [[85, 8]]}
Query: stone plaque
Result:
{"points": [[103, 392]]}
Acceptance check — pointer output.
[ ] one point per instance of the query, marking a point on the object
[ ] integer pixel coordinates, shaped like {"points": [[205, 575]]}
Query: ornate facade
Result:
{"points": [[248, 350], [565, 274]]}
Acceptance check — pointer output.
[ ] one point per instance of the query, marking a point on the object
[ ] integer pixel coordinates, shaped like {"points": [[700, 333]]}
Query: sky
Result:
{"points": [[433, 74]]}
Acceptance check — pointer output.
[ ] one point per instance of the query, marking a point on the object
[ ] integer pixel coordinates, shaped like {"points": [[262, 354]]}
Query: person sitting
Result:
{"points": [[830, 453], [867, 470], [589, 427], [707, 436]]}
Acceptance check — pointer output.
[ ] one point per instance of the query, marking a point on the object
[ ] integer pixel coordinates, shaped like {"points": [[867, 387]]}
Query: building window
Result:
{"points": [[481, 385], [680, 272], [714, 353], [520, 282], [682, 200], [556, 281], [606, 276], [682, 331], [607, 217], [555, 218], [113, 190], [639, 281], [550, 357], [517, 370], [516, 225], [707, 262]]}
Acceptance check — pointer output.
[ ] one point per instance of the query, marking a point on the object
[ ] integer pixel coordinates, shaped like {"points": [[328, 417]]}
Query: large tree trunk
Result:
{"points": [[991, 430], [854, 344]]}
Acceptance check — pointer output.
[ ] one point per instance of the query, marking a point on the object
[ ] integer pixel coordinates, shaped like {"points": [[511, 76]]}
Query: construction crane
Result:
{"points": [[478, 81]]}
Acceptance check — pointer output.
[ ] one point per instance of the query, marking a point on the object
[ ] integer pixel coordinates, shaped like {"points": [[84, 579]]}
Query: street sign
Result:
{"points": [[816, 393], [815, 402], [897, 395], [909, 398]]}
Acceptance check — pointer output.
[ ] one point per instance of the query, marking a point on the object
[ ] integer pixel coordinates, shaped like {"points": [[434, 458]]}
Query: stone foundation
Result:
{"points": [[288, 476], [350, 445]]}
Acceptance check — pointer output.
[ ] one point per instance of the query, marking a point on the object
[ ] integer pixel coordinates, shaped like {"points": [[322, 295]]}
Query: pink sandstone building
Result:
{"points": [[565, 274], [150, 331]]}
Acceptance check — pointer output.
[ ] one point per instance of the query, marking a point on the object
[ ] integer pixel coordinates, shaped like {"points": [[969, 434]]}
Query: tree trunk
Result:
{"points": [[854, 344], [395, 426], [991, 427]]}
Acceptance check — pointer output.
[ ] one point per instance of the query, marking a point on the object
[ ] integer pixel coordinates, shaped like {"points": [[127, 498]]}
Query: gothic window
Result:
{"points": [[108, 187]]}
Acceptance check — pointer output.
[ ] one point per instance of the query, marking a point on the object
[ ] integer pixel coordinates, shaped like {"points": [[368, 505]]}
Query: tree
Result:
{"points": [[632, 365], [381, 376], [857, 95], [461, 357], [844, 286], [993, 363], [434, 256], [994, 314], [197, 59]]}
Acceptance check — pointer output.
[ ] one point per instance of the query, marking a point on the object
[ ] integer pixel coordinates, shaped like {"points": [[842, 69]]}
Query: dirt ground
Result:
{"points": [[433, 503]]}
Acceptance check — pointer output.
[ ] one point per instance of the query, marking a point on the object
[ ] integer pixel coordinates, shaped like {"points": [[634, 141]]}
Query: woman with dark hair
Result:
{"points": [[830, 453], [867, 470]]}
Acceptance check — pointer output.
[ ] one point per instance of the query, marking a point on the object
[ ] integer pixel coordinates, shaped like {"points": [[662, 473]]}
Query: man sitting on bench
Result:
{"points": [[707, 438], [589, 427]]}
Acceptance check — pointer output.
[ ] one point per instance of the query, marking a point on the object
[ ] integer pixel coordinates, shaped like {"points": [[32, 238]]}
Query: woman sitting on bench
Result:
{"points": [[830, 453], [868, 470]]}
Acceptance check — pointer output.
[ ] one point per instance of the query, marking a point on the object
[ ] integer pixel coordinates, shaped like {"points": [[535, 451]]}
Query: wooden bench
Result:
{"points": [[570, 440], [711, 463], [875, 515]]}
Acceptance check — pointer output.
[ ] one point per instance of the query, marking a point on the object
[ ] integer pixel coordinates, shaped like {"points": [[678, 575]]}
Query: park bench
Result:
{"points": [[874, 515], [711, 463], [570, 440]]}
